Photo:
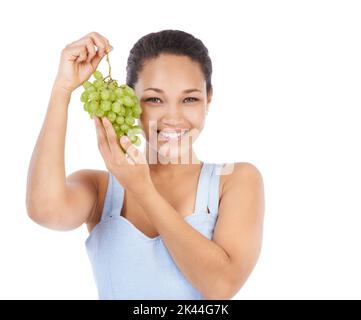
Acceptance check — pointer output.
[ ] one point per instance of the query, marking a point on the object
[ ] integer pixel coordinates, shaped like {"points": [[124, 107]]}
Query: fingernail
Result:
{"points": [[124, 139]]}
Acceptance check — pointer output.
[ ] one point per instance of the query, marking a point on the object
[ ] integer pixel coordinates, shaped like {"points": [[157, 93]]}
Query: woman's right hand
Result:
{"points": [[79, 60]]}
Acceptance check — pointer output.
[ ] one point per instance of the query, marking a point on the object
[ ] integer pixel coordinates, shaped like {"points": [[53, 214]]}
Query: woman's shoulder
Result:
{"points": [[236, 172], [235, 168]]}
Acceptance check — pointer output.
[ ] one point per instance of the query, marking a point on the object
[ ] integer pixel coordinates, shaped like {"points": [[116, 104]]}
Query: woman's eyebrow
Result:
{"points": [[185, 91]]}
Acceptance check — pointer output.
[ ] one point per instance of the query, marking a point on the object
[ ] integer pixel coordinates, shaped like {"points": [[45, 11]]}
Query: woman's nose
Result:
{"points": [[173, 114]]}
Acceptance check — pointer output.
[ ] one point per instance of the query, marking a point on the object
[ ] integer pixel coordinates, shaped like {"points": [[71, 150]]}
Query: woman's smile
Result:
{"points": [[171, 135]]}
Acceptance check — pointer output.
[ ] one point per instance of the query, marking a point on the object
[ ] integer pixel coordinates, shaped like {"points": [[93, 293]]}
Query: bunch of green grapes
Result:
{"points": [[104, 98]]}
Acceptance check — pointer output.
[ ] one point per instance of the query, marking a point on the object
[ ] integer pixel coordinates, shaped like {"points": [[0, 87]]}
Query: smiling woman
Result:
{"points": [[162, 223]]}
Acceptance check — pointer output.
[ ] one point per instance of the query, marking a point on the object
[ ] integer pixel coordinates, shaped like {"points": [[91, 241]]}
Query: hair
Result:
{"points": [[168, 41]]}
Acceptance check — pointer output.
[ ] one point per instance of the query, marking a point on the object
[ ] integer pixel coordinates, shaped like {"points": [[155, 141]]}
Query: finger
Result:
{"points": [[130, 149], [102, 140], [101, 42], [96, 60], [89, 45], [91, 50], [75, 53], [112, 140], [95, 39], [103, 47], [82, 56], [108, 46]]}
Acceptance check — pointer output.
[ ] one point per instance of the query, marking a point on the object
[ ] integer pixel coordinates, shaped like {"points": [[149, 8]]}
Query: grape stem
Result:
{"points": [[110, 70]]}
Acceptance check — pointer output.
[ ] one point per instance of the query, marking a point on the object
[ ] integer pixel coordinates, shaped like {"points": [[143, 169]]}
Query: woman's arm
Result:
{"points": [[216, 268], [46, 182], [52, 199]]}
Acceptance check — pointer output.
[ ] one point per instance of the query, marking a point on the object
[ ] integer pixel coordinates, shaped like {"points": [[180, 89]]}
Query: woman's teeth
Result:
{"points": [[171, 135]]}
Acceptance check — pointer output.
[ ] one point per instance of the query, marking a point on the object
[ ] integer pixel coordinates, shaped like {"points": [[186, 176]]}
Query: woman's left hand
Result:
{"points": [[130, 167]]}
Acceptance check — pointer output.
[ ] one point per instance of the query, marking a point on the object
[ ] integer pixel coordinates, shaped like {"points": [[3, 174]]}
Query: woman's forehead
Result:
{"points": [[171, 71]]}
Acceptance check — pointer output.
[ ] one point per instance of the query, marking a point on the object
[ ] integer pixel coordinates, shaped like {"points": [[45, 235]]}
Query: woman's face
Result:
{"points": [[173, 97]]}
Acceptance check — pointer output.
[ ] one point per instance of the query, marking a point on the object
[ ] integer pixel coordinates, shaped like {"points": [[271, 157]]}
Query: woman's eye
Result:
{"points": [[191, 99], [153, 99]]}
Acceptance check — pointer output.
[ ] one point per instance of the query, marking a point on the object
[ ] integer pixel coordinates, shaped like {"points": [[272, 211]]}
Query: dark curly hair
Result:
{"points": [[168, 41]]}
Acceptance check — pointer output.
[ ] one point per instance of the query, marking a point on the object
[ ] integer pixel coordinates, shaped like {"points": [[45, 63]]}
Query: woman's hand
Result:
{"points": [[80, 59], [131, 168]]}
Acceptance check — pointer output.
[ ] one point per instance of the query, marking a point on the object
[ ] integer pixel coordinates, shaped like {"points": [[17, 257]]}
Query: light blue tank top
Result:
{"points": [[127, 264]]}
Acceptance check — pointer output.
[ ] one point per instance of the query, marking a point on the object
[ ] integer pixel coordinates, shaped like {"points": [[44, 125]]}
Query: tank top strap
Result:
{"points": [[213, 192], [113, 198], [203, 185]]}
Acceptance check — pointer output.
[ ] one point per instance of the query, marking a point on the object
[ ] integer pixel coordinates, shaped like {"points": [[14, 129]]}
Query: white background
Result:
{"points": [[286, 98]]}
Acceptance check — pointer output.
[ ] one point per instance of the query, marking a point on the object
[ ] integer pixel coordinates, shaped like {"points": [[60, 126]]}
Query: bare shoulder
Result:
{"points": [[245, 173], [242, 200]]}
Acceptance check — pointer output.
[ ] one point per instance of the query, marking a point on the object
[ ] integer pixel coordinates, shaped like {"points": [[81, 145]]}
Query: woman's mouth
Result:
{"points": [[171, 135]]}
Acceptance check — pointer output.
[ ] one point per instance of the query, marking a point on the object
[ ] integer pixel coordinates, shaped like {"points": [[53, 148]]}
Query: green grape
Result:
{"points": [[122, 111], [113, 96], [99, 113], [128, 112], [124, 127], [133, 138], [135, 100], [137, 142], [119, 92], [119, 120], [134, 131], [129, 91], [94, 95], [112, 116], [93, 106], [121, 100], [87, 84], [116, 127], [127, 101], [116, 106], [87, 106], [98, 75], [90, 89], [129, 120], [112, 85], [136, 114], [98, 84], [106, 105], [105, 94], [137, 109], [84, 96]]}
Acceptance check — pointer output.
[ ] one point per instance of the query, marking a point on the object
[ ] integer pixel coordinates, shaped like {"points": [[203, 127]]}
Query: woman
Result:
{"points": [[172, 227]]}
